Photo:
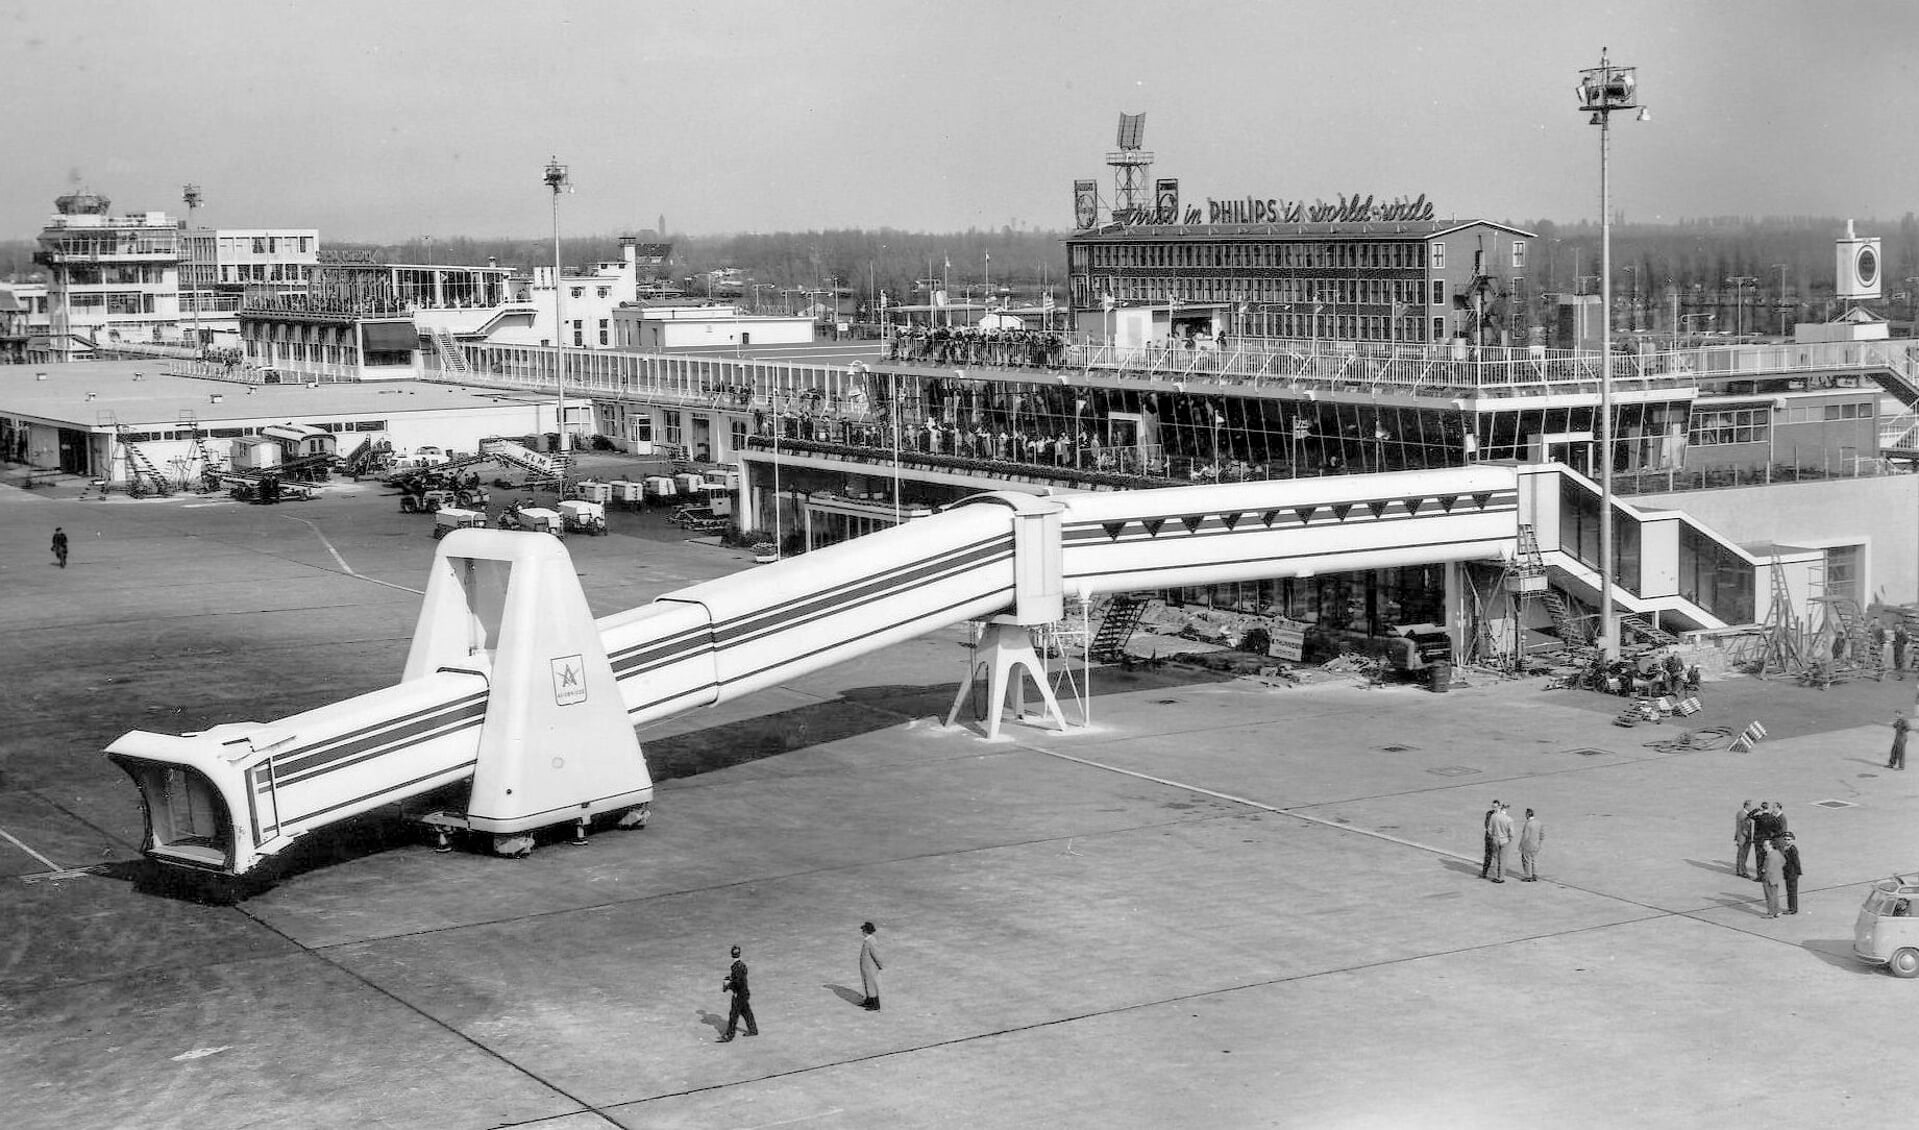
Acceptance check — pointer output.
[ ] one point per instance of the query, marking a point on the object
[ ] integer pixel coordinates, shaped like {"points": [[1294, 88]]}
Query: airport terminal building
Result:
{"points": [[1252, 349]]}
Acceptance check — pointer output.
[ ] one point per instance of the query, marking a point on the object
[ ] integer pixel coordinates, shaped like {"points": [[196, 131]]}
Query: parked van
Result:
{"points": [[1887, 930]]}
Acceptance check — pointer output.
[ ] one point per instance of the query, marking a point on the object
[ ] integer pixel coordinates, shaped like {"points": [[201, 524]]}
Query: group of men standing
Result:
{"points": [[1900, 638], [1760, 830], [1499, 839]]}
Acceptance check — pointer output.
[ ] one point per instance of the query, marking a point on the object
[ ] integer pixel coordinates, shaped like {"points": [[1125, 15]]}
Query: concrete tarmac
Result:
{"points": [[1223, 903]]}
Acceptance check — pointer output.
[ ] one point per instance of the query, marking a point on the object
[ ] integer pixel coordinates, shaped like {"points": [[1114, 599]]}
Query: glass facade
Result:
{"points": [[1193, 437], [1714, 577], [1579, 534]]}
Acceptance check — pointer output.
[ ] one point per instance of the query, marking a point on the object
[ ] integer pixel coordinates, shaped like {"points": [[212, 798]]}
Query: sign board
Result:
{"points": [[569, 680], [1287, 640]]}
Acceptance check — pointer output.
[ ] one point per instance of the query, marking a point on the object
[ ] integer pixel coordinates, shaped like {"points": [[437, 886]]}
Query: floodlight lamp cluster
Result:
{"points": [[556, 176], [1605, 88]]}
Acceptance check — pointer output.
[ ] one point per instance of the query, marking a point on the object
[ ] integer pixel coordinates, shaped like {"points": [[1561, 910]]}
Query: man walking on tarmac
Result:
{"points": [[60, 546], [736, 984]]}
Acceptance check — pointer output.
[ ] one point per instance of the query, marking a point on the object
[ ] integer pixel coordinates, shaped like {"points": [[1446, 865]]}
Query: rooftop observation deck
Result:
{"points": [[1407, 373]]}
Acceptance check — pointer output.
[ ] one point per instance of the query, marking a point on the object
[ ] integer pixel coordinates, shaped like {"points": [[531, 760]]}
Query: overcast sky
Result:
{"points": [[394, 119]]}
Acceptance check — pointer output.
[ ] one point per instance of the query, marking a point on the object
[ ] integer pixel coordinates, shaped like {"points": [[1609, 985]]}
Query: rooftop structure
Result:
{"points": [[591, 297], [1406, 281], [235, 261], [110, 279]]}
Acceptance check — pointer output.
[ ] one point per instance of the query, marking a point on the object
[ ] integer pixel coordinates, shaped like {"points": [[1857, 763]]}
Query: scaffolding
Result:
{"points": [[1785, 646]]}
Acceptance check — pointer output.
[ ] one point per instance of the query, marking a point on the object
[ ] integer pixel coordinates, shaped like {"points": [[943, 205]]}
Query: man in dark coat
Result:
{"points": [[60, 546], [1897, 758], [736, 984], [1789, 848], [1742, 839], [1764, 828], [1486, 828]]}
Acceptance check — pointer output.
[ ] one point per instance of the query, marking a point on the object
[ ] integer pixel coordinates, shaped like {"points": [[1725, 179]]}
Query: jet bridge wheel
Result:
{"points": [[637, 816], [517, 845]]}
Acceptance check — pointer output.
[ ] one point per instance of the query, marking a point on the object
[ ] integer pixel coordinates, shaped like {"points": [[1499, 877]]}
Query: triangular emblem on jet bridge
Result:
{"points": [[1112, 529], [1193, 522], [1412, 504], [1446, 502], [1481, 498], [1340, 510], [1268, 517], [1230, 520], [1377, 508], [1305, 513], [1152, 526]]}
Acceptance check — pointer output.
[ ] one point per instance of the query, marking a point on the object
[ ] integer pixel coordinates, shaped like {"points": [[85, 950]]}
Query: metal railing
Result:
{"points": [[1674, 481], [680, 380], [1411, 369], [1455, 369]]}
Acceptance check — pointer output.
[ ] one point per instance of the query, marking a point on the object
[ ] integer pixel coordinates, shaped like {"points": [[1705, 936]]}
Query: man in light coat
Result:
{"points": [[1501, 829], [869, 968], [1532, 836], [1772, 874]]}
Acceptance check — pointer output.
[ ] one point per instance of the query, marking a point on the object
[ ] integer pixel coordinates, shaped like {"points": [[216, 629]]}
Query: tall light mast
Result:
{"points": [[558, 181], [190, 195], [1603, 89]]}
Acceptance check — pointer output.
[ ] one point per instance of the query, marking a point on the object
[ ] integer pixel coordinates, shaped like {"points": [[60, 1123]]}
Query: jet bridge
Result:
{"points": [[513, 689]]}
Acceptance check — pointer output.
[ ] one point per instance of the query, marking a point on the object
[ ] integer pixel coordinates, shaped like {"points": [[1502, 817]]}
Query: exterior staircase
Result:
{"points": [[210, 467], [1567, 624], [1845, 620], [452, 358], [1116, 627], [1642, 630], [519, 455], [140, 468]]}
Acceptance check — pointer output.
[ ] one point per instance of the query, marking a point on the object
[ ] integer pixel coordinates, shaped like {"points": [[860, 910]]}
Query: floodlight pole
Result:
{"points": [[556, 179], [1602, 90], [190, 194]]}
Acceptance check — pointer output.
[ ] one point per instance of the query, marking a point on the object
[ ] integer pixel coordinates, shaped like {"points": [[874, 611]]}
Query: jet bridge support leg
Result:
{"points": [[1006, 643], [1006, 646]]}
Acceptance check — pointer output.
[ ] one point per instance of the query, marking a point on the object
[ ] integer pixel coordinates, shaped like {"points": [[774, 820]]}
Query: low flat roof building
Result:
{"points": [[79, 418]]}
